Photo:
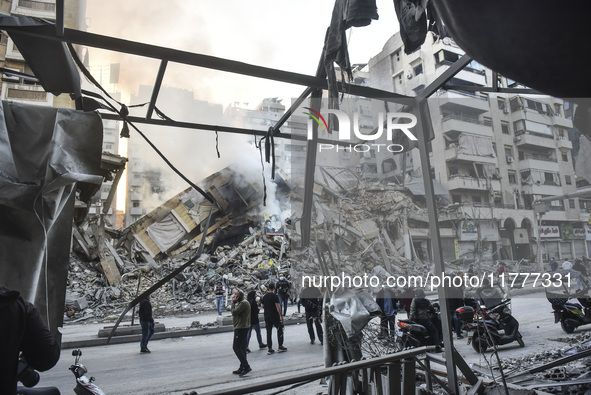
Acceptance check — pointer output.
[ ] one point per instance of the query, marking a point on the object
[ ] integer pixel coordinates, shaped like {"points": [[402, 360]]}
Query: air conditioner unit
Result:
{"points": [[506, 110], [509, 159], [517, 139]]}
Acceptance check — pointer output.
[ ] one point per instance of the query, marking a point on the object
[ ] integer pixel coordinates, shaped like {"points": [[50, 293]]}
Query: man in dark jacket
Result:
{"points": [[386, 299], [421, 311], [311, 299], [283, 292], [273, 318], [22, 330], [147, 324], [254, 320], [455, 301], [241, 321]]}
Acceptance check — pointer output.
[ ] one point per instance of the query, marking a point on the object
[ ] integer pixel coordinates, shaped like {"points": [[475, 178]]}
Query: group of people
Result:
{"points": [[578, 270], [245, 319], [419, 309]]}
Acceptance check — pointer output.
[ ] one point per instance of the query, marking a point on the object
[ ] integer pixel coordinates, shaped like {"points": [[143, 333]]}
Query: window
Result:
{"points": [[512, 177], [418, 69], [551, 179], [508, 153], [564, 157], [477, 199], [558, 109], [456, 198], [446, 57], [568, 180], [505, 128], [136, 204], [501, 104], [571, 203], [515, 104]]}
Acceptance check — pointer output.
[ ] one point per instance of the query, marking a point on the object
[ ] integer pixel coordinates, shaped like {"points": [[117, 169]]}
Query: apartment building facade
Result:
{"points": [[495, 154]]}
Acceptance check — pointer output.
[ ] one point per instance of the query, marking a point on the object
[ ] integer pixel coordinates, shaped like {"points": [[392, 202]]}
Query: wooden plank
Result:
{"points": [[197, 239], [111, 271], [114, 253]]}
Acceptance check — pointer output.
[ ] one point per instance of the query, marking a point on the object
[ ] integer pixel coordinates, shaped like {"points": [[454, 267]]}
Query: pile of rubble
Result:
{"points": [[363, 228], [248, 265], [565, 370]]}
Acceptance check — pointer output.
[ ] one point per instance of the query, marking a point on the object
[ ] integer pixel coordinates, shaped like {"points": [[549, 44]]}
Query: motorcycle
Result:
{"points": [[29, 378], [413, 334], [489, 327], [571, 315]]}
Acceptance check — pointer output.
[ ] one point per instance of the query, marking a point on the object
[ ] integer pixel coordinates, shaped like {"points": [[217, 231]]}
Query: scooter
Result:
{"points": [[489, 327], [84, 385], [571, 315], [29, 378]]}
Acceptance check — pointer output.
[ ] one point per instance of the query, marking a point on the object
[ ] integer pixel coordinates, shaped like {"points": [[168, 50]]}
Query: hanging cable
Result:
{"points": [[123, 113], [217, 144]]}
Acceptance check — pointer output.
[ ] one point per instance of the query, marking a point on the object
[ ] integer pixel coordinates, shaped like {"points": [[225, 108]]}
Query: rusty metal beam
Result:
{"points": [[156, 90], [194, 59]]}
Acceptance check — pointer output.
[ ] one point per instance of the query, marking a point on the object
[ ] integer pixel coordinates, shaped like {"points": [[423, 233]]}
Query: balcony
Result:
{"points": [[136, 211], [465, 125], [135, 197], [563, 122], [540, 163], [26, 93], [451, 100], [542, 189], [471, 183], [39, 9], [564, 144], [529, 141], [452, 155]]}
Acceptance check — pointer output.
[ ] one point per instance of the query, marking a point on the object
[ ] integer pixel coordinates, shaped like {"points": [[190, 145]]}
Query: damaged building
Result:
{"points": [[384, 225]]}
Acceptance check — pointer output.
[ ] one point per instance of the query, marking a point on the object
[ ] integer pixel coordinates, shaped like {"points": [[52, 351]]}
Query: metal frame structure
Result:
{"points": [[314, 87]]}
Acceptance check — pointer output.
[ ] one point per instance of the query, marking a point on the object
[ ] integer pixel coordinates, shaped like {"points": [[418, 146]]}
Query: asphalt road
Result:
{"points": [[204, 363]]}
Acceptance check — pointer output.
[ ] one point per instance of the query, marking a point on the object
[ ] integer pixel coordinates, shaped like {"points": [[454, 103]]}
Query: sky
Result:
{"points": [[281, 34]]}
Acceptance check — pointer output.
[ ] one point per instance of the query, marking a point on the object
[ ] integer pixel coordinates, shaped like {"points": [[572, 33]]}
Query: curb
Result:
{"points": [[94, 342]]}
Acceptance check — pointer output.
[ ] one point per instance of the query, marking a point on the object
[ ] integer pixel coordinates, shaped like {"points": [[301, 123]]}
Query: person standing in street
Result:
{"points": [[386, 299], [241, 322], [254, 320], [455, 301], [219, 297], [311, 299], [273, 318], [421, 311], [147, 324], [283, 291]]}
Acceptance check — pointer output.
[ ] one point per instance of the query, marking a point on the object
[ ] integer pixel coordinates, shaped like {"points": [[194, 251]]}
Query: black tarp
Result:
{"points": [[47, 155], [49, 60]]}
